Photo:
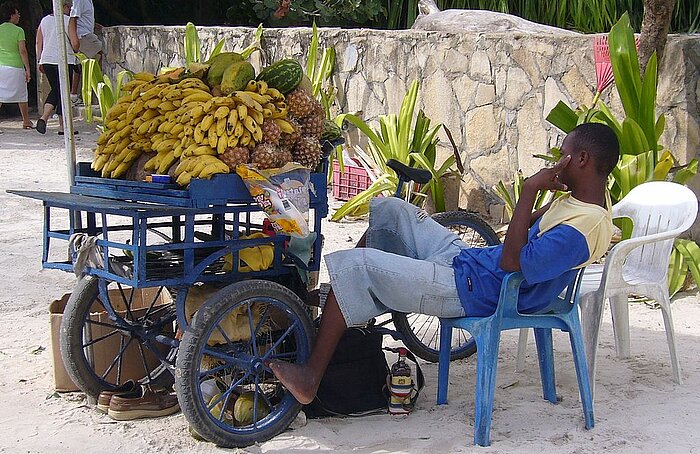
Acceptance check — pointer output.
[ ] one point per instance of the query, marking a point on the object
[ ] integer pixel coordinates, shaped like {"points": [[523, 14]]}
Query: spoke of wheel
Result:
{"points": [[215, 370], [150, 306], [233, 386], [107, 325], [263, 316], [117, 358], [279, 341], [126, 302], [223, 333], [253, 343], [119, 362], [225, 405], [143, 360], [94, 341], [422, 325], [256, 386], [284, 355]]}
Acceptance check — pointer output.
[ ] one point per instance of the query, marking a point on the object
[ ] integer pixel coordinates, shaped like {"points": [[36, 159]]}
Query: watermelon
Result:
{"points": [[283, 75]]}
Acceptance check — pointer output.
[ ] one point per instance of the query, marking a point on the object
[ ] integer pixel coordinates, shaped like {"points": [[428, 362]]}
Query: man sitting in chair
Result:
{"points": [[407, 262]]}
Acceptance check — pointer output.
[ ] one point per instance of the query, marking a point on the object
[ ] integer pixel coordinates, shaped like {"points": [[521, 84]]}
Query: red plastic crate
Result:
{"points": [[349, 183]]}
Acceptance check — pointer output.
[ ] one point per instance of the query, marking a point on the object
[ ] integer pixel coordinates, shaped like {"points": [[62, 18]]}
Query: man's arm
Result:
{"points": [[73, 33], [516, 236]]}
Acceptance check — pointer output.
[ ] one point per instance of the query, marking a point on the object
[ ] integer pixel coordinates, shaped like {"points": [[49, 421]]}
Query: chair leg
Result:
{"points": [[444, 362], [591, 305], [665, 304], [488, 340], [522, 347], [545, 355], [621, 324], [582, 374]]}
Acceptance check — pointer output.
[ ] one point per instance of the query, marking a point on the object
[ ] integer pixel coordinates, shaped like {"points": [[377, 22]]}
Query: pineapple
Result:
{"points": [[300, 102], [284, 156], [288, 140], [307, 152], [234, 156], [265, 156], [271, 132], [313, 125]]}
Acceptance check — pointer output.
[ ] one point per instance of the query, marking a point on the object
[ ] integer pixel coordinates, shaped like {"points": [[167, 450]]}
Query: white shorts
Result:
{"points": [[90, 45], [13, 87], [406, 266]]}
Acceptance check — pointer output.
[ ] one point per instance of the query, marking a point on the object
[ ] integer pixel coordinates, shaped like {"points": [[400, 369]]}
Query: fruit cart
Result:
{"points": [[154, 254]]}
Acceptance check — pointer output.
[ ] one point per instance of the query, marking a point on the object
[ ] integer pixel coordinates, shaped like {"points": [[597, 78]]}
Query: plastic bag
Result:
{"points": [[283, 195]]}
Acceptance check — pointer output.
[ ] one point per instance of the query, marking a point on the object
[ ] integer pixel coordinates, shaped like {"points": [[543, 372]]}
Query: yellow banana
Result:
{"points": [[153, 92], [221, 145], [134, 83], [232, 141], [275, 93], [148, 114], [167, 106], [146, 76], [285, 126], [152, 103], [152, 164], [134, 109], [249, 123], [204, 150], [256, 115], [257, 97], [239, 128], [198, 134], [165, 162], [219, 101], [177, 129], [99, 162], [165, 145], [246, 138], [231, 121], [207, 122], [262, 87], [212, 169], [221, 126], [182, 166], [190, 149], [104, 137], [193, 82], [213, 138], [184, 179], [267, 113], [124, 99], [112, 125], [120, 170], [242, 112], [201, 96], [221, 112], [252, 85], [116, 110], [245, 98], [257, 133]]}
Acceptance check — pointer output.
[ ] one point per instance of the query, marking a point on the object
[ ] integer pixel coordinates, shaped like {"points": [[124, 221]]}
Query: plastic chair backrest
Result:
{"points": [[656, 207]]}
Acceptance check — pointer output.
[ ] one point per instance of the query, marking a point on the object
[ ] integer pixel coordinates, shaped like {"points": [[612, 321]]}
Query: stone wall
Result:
{"points": [[493, 91]]}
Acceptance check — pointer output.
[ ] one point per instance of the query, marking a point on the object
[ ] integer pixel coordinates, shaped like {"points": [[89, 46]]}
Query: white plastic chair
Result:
{"points": [[660, 211]]}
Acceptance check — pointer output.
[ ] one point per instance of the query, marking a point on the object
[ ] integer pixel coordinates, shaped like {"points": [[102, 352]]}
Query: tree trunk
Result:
{"points": [[655, 24]]}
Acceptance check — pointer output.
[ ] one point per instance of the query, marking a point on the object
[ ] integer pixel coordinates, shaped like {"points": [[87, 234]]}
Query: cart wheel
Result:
{"points": [[102, 351], [422, 332], [219, 361]]}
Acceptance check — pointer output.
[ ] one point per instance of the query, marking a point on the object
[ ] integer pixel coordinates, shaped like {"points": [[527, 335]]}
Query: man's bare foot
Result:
{"points": [[297, 378]]}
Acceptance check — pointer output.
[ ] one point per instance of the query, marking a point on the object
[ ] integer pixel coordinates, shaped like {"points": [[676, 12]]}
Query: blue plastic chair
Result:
{"points": [[561, 314]]}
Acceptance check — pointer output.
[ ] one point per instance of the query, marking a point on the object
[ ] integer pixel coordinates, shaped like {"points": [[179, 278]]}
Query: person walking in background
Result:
{"points": [[14, 62], [47, 42], [82, 25]]}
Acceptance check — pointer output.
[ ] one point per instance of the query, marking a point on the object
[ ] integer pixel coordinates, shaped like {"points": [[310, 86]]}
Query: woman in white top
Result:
{"points": [[47, 42]]}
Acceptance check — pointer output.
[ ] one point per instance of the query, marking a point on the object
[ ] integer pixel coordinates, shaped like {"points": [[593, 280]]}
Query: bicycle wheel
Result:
{"points": [[422, 332], [220, 366], [105, 342]]}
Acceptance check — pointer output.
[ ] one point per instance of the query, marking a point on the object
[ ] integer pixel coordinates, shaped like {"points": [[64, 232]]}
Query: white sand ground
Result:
{"points": [[638, 408]]}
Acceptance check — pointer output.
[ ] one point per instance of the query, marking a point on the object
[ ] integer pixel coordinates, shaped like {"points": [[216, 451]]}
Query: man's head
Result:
{"points": [[594, 152], [9, 13]]}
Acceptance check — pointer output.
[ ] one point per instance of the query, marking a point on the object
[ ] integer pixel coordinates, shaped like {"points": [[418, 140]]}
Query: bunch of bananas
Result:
{"points": [[183, 120]]}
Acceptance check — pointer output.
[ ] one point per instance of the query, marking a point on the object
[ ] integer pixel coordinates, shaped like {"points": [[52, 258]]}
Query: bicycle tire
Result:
{"points": [[283, 329], [85, 315], [421, 332]]}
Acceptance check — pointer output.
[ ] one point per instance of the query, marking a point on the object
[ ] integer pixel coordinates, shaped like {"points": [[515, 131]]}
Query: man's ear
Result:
{"points": [[583, 157]]}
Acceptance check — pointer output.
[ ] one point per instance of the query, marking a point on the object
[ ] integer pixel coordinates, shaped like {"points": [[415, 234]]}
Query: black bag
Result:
{"points": [[355, 382]]}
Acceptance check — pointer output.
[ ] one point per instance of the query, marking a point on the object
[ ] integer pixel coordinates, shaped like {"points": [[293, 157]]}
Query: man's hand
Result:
{"points": [[548, 177]]}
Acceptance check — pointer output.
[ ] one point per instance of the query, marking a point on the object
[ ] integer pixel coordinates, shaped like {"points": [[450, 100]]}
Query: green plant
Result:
{"points": [[510, 194], [319, 73], [642, 158], [94, 82], [404, 140]]}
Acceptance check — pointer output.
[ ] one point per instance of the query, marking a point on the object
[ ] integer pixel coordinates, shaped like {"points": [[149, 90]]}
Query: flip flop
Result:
{"points": [[41, 126], [27, 126], [60, 133]]}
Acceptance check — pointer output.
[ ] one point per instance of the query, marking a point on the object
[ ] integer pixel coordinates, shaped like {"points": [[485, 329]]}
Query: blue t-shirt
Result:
{"points": [[570, 235]]}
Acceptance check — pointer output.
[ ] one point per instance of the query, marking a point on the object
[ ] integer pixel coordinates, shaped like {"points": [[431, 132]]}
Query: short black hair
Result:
{"points": [[600, 140], [7, 9]]}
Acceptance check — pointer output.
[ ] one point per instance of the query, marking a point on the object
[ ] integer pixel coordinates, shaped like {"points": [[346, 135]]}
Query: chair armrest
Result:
{"points": [[618, 254], [510, 291]]}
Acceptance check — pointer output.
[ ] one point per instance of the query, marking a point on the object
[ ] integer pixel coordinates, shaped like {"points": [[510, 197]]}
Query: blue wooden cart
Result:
{"points": [[152, 255]]}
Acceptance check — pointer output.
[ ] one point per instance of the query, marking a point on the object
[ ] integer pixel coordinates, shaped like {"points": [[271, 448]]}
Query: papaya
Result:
{"points": [[236, 77], [218, 64]]}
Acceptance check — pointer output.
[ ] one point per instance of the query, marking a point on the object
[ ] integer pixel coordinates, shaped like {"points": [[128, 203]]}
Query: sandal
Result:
{"points": [[29, 126], [41, 126]]}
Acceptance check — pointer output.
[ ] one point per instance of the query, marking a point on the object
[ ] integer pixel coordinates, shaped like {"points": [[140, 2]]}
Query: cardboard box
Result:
{"points": [[105, 351]]}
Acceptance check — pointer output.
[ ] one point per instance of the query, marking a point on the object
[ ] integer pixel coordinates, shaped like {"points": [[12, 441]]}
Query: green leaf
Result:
{"points": [[385, 183], [313, 54], [563, 117], [608, 118], [647, 103], [192, 45], [625, 65], [660, 126], [633, 138], [677, 271], [691, 253], [686, 172], [217, 49], [255, 45], [663, 166]]}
